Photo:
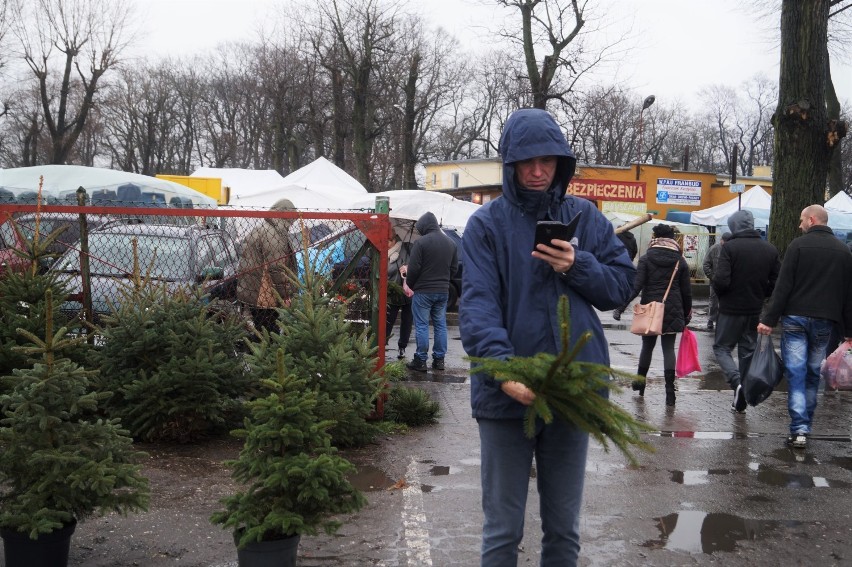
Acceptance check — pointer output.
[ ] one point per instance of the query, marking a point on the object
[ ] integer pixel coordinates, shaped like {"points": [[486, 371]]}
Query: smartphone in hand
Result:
{"points": [[545, 231]]}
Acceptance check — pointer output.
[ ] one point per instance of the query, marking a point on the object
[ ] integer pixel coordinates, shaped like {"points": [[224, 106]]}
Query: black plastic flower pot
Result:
{"points": [[48, 549], [274, 553]]}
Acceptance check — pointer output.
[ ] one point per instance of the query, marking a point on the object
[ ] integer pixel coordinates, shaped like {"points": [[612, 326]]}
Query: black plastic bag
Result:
{"points": [[764, 372]]}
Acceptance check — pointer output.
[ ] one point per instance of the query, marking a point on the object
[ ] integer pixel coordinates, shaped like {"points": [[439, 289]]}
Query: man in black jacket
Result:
{"points": [[433, 262], [814, 293], [744, 277]]}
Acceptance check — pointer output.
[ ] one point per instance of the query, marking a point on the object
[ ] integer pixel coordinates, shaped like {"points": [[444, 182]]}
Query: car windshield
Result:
{"points": [[167, 257]]}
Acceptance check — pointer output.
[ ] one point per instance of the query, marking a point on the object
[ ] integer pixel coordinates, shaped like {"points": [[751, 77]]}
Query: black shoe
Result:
{"points": [[739, 404], [710, 325], [401, 354], [438, 363], [417, 365], [616, 314], [638, 387]]}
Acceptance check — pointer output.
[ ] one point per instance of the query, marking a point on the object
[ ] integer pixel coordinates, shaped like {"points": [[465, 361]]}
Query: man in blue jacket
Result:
{"points": [[509, 308]]}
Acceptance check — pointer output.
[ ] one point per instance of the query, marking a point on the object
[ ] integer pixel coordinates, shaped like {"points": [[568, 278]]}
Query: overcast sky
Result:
{"points": [[677, 47]]}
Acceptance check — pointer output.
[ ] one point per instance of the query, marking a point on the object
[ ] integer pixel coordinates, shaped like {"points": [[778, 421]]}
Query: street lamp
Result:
{"points": [[649, 100]]}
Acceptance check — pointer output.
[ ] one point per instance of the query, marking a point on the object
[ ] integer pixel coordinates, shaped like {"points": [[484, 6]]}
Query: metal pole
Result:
{"points": [[85, 276]]}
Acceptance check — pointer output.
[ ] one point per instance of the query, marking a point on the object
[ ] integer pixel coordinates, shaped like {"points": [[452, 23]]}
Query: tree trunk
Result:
{"points": [[835, 166], [802, 154]]}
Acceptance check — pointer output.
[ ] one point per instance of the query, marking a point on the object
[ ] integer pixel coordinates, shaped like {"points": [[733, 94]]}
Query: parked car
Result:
{"points": [[69, 224], [179, 255]]}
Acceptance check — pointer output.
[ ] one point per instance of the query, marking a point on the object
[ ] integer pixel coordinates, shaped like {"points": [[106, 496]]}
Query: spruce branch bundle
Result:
{"points": [[572, 390]]}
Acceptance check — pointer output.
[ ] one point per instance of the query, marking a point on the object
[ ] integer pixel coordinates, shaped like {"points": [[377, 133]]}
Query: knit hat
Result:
{"points": [[663, 231], [726, 237]]}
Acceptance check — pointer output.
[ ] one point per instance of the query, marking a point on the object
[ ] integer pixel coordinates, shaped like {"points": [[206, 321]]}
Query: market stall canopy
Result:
{"points": [[320, 185], [411, 204], [841, 203], [243, 182], [755, 198], [104, 186]]}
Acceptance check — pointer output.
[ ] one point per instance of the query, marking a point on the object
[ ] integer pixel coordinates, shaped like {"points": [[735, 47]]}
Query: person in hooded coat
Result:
{"points": [[656, 269], [433, 262], [266, 257], [508, 308], [744, 278]]}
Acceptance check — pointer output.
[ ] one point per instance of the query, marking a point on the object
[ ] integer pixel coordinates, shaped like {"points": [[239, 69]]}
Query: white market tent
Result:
{"points": [[755, 199], [411, 204], [841, 203], [320, 185], [105, 185], [242, 182]]}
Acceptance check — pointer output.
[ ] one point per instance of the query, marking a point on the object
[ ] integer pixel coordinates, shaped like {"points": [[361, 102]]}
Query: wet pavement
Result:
{"points": [[721, 489]]}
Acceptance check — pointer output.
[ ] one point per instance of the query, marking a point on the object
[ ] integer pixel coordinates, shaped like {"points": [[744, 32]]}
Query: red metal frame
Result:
{"points": [[375, 226]]}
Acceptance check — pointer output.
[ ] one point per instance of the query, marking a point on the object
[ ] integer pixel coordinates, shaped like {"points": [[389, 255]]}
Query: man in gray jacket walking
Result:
{"points": [[433, 261]]}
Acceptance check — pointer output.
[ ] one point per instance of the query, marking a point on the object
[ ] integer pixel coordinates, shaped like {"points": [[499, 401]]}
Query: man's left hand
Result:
{"points": [[560, 255], [764, 329]]}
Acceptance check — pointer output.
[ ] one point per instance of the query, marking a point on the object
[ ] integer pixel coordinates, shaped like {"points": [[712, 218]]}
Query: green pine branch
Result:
{"points": [[571, 389]]}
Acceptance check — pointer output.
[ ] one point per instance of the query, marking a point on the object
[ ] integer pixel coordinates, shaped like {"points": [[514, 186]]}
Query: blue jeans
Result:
{"points": [[803, 344], [507, 453], [430, 307]]}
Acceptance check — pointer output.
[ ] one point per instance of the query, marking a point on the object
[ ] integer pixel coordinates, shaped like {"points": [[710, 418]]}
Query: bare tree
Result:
{"points": [[355, 40], [555, 28], [69, 46], [742, 119], [804, 136]]}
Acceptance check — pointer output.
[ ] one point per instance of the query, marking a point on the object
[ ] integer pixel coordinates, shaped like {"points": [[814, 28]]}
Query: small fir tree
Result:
{"points": [[172, 364], [59, 460], [295, 482], [336, 362], [23, 300]]}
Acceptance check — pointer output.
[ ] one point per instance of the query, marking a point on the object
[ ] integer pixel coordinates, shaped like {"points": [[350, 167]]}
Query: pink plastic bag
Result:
{"points": [[405, 289], [837, 368], [687, 355]]}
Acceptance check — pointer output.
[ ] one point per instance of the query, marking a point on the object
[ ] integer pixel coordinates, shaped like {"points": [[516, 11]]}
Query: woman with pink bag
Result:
{"points": [[663, 273]]}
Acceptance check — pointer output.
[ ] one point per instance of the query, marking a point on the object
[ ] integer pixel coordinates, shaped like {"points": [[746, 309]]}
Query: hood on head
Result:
{"points": [[740, 221], [530, 133], [426, 223], [282, 205]]}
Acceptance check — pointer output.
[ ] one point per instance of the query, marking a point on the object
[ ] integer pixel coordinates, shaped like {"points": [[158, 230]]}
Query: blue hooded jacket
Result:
{"points": [[509, 299]]}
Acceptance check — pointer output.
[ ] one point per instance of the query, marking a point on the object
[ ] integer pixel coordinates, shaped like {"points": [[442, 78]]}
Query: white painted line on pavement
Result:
{"points": [[414, 519]]}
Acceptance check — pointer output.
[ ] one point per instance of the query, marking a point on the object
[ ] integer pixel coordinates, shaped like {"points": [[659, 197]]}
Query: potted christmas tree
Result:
{"points": [[294, 480], [60, 461]]}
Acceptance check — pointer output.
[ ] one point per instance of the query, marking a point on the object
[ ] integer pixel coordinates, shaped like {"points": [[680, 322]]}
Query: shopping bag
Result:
{"points": [[687, 354], [764, 372], [647, 319], [837, 368]]}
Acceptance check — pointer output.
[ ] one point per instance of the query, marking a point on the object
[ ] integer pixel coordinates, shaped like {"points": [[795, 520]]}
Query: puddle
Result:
{"points": [[439, 377], [439, 470], [370, 479], [788, 455], [689, 478], [784, 479], [842, 462], [699, 532]]}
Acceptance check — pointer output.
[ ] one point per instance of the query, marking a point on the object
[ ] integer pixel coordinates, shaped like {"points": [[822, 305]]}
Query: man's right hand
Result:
{"points": [[518, 392]]}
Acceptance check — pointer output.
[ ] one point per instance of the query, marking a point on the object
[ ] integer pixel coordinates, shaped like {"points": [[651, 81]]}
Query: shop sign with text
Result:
{"points": [[679, 192], [601, 190]]}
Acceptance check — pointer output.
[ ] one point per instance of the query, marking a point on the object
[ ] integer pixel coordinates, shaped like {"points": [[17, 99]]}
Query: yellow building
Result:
{"points": [[651, 188], [210, 186]]}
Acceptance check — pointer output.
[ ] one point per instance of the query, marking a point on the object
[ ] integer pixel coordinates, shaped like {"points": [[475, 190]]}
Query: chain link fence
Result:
{"points": [[243, 259]]}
